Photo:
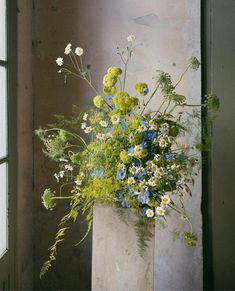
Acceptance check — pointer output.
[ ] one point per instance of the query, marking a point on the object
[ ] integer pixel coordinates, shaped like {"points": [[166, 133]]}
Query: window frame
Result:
{"points": [[7, 261]]}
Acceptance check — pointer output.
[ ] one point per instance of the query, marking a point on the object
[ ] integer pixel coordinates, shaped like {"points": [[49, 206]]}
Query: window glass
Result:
{"points": [[3, 209], [3, 113], [3, 29]]}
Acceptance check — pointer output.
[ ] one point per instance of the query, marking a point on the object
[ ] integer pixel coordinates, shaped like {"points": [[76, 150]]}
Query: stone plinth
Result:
{"points": [[116, 263]]}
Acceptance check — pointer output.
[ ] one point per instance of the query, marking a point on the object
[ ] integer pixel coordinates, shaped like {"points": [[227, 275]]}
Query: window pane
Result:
{"points": [[3, 113], [3, 29], [3, 209]]}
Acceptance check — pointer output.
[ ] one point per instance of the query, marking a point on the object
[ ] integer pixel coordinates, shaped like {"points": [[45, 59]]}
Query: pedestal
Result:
{"points": [[116, 263]]}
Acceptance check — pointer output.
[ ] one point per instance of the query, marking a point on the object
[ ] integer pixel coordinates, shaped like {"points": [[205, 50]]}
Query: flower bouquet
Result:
{"points": [[122, 152]]}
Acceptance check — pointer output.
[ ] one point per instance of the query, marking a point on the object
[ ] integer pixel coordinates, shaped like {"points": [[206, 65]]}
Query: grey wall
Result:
{"points": [[220, 73], [170, 32]]}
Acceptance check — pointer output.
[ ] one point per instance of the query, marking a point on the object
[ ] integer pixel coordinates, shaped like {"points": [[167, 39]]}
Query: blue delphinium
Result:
{"points": [[136, 162], [126, 204], [97, 173], [150, 135], [144, 123], [131, 151], [130, 191], [141, 173], [146, 90], [118, 195], [124, 124], [121, 174], [143, 197], [144, 145], [168, 156]]}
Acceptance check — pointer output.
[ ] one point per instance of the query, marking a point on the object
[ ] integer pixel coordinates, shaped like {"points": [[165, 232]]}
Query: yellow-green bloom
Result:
{"points": [[124, 101], [115, 71], [109, 80], [109, 90], [98, 101], [125, 158], [142, 88]]}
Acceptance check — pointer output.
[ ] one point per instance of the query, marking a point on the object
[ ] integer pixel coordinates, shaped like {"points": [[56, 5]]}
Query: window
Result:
{"points": [[8, 70], [3, 133]]}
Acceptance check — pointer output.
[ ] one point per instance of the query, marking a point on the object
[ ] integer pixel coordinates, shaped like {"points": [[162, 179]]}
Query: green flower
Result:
{"points": [[190, 239], [109, 80], [124, 101], [48, 199], [109, 90], [125, 158], [142, 88], [212, 102], [194, 63], [98, 101], [115, 71]]}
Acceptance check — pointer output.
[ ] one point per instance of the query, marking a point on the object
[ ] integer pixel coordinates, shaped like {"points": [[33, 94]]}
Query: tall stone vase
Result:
{"points": [[116, 262]]}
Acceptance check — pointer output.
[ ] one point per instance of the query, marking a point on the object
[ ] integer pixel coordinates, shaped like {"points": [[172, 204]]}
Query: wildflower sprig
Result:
{"points": [[122, 152]]}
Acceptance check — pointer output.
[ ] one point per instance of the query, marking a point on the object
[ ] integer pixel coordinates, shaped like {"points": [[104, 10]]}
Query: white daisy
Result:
{"points": [[68, 167], [88, 129], [152, 182], [165, 200], [115, 119], [100, 136], [141, 128], [59, 61], [83, 125], [131, 181], [68, 49], [85, 116], [164, 128], [163, 143], [103, 123], [121, 167], [149, 213], [79, 51], [160, 211], [131, 37]]}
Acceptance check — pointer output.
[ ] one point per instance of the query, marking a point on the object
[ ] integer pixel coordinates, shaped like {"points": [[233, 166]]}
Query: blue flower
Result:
{"points": [[124, 124], [150, 135], [144, 144], [121, 175], [144, 123], [144, 197], [130, 191], [131, 151], [144, 210], [118, 195], [136, 162], [97, 173], [126, 204], [146, 90], [168, 156], [141, 173]]}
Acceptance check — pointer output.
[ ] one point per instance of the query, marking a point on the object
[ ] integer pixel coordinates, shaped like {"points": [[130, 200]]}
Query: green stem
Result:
{"points": [[181, 77], [184, 214], [155, 90], [63, 197]]}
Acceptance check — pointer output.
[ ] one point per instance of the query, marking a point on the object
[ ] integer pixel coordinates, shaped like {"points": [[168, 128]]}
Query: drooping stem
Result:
{"points": [[183, 214]]}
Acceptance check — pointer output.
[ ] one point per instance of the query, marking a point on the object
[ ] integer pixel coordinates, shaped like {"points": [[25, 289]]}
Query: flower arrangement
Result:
{"points": [[122, 153]]}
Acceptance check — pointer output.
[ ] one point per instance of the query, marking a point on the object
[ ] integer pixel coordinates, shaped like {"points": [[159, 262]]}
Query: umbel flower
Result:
{"points": [[131, 157]]}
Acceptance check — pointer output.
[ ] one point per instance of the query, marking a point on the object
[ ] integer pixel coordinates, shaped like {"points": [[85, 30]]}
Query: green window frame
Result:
{"points": [[9, 159]]}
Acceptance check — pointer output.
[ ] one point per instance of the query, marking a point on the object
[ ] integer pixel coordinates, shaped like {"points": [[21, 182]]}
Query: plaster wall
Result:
{"points": [[170, 33]]}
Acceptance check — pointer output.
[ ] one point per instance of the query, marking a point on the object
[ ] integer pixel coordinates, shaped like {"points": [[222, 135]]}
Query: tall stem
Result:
{"points": [[155, 90]]}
